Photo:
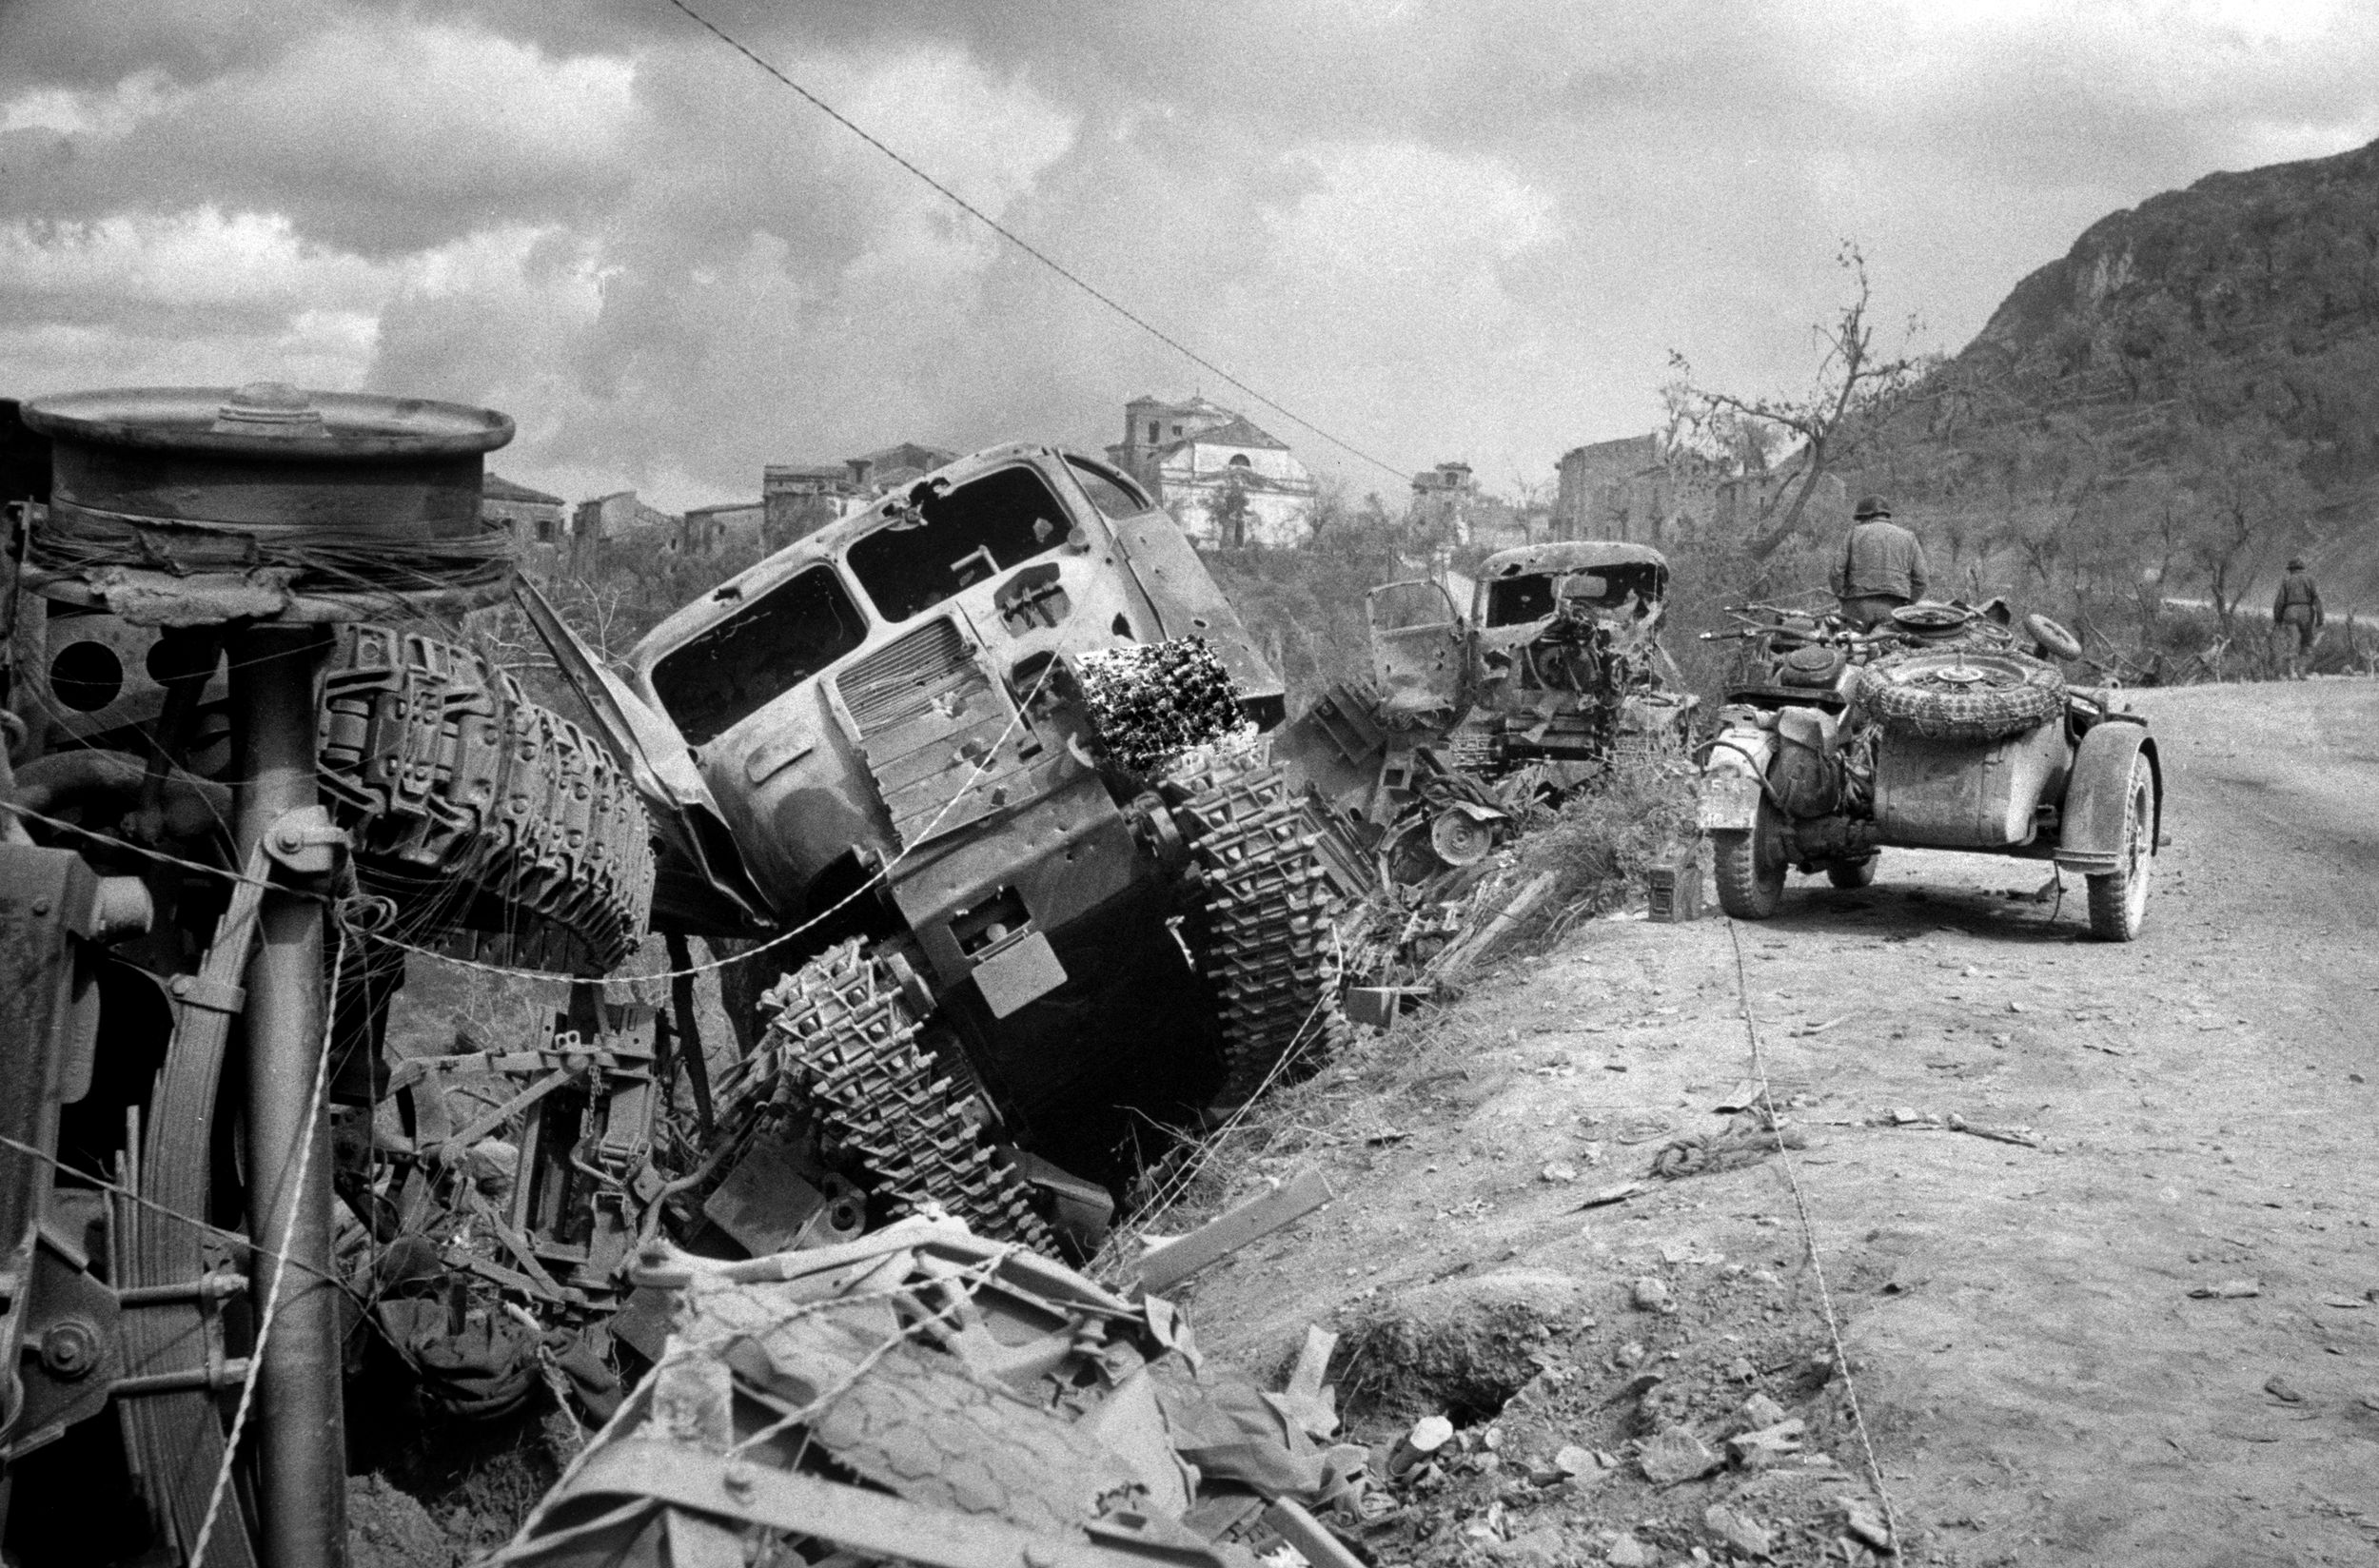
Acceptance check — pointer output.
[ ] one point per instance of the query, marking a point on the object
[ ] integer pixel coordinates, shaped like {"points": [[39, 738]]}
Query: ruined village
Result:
{"points": [[1770, 966]]}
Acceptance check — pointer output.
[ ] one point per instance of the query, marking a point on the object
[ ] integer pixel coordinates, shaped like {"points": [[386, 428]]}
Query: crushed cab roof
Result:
{"points": [[1569, 555]]}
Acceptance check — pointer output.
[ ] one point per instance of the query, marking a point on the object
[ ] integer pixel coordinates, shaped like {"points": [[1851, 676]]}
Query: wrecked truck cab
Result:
{"points": [[1568, 665], [884, 647], [921, 735]]}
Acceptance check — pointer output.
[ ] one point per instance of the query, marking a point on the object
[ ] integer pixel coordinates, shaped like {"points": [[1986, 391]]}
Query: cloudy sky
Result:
{"points": [[1435, 230]]}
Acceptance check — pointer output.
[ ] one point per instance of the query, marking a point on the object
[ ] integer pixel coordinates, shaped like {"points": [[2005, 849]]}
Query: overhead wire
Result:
{"points": [[1033, 250]]}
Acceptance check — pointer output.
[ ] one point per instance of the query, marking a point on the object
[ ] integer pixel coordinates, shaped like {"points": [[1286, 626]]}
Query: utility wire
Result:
{"points": [[1033, 250], [1809, 1243]]}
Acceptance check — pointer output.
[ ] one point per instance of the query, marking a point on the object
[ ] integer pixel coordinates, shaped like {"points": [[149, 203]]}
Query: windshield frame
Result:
{"points": [[861, 613], [1070, 525]]}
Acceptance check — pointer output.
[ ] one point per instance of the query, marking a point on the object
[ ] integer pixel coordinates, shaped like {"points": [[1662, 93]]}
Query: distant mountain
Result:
{"points": [[2213, 350]]}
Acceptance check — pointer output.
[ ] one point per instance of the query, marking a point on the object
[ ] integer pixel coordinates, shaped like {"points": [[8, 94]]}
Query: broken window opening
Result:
{"points": [[767, 648], [1406, 606], [960, 537], [1515, 601]]}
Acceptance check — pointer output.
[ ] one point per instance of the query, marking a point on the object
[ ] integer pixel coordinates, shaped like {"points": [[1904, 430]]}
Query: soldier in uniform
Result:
{"points": [[1883, 566], [2296, 617]]}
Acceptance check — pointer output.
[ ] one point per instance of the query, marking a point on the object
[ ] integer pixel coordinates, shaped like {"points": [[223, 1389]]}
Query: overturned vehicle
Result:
{"points": [[1948, 727], [230, 791], [977, 771]]}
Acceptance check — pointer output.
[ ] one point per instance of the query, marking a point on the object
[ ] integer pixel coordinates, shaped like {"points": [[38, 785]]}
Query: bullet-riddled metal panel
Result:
{"points": [[936, 733]]}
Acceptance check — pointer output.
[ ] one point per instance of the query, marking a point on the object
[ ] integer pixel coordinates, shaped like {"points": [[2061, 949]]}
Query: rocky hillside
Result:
{"points": [[2191, 390]]}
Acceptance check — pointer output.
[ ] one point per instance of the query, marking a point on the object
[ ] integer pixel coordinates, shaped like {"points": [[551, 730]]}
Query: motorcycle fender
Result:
{"points": [[1731, 784], [2092, 841]]}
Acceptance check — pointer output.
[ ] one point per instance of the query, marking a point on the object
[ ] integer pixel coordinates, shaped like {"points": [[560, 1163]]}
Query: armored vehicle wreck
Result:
{"points": [[978, 769]]}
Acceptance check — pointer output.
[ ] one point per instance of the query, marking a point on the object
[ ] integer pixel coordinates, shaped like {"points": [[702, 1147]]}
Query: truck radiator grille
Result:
{"points": [[902, 682], [928, 719]]}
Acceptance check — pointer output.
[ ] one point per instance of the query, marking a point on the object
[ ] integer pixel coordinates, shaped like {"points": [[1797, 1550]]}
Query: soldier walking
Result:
{"points": [[1883, 566], [2296, 617]]}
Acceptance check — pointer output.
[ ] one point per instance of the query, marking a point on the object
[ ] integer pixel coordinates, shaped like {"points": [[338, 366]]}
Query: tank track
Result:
{"points": [[1270, 951], [845, 1042], [449, 779]]}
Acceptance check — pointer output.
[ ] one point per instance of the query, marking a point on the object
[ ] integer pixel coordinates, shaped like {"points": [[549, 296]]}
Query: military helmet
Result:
{"points": [[1871, 506]]}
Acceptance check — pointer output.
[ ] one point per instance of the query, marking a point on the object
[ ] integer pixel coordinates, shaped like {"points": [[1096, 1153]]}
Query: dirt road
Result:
{"points": [[2039, 1383]]}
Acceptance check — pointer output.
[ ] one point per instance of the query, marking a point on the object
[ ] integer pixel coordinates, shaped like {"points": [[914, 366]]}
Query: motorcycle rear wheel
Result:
{"points": [[1750, 866]]}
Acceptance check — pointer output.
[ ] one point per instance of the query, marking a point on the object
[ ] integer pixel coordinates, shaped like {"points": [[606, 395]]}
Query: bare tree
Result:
{"points": [[2250, 499], [1851, 388], [1330, 511]]}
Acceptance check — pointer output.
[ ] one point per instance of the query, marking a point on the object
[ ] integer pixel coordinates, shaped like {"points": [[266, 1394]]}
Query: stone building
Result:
{"points": [[1225, 479], [1446, 500], [896, 465], [1638, 489], [531, 517], [801, 498], [709, 530], [1613, 490], [621, 521]]}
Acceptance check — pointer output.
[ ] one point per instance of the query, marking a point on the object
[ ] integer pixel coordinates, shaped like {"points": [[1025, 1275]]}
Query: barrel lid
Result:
{"points": [[270, 419]]}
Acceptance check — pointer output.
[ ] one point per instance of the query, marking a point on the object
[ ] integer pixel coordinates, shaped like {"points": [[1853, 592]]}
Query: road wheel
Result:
{"points": [[2118, 900], [1852, 874], [1750, 867]]}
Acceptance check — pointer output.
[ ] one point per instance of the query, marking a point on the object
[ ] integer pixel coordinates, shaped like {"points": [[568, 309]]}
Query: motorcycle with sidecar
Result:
{"points": [[1946, 727]]}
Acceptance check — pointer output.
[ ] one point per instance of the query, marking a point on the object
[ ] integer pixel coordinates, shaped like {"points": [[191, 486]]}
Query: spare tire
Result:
{"points": [[1962, 694], [2054, 640]]}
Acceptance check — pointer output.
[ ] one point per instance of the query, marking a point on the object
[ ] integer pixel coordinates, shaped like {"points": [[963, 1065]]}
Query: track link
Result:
{"points": [[845, 1042], [493, 821], [1269, 949]]}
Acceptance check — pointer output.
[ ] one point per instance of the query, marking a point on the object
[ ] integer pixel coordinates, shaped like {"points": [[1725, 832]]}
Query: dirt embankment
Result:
{"points": [[2038, 1379]]}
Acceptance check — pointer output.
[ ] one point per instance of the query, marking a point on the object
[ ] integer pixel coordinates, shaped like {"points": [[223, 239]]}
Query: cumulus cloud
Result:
{"points": [[1438, 229]]}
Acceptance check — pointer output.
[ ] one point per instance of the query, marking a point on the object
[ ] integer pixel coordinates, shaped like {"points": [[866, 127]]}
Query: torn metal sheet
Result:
{"points": [[834, 1400]]}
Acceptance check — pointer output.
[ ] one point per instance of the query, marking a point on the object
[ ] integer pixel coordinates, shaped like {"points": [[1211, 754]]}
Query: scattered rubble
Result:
{"points": [[925, 1394]]}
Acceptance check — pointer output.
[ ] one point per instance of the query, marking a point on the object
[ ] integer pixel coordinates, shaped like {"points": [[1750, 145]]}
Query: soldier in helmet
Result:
{"points": [[1883, 566], [2296, 617]]}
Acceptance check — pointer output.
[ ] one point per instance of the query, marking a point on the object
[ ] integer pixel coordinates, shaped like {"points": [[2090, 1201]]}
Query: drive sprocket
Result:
{"points": [[1269, 948], [845, 1044]]}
